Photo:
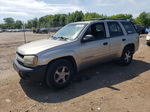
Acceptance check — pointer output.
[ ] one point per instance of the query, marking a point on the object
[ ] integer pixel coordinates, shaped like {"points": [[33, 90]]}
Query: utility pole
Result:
{"points": [[23, 27]]}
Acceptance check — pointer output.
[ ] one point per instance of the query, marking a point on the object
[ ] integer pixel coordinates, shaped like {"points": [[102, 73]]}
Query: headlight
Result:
{"points": [[30, 60]]}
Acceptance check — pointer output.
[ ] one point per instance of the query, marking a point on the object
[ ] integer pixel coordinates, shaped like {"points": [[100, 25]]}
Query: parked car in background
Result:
{"points": [[140, 29], [15, 30], [147, 30], [148, 39], [41, 30], [44, 30], [9, 30], [55, 29], [74, 47], [36, 30], [1, 30], [28, 30]]}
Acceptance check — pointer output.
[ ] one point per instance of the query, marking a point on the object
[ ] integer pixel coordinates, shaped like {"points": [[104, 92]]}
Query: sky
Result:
{"points": [[29, 9]]}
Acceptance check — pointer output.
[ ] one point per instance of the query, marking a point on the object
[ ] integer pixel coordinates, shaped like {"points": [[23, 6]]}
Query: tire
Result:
{"points": [[148, 43], [59, 74], [126, 57]]}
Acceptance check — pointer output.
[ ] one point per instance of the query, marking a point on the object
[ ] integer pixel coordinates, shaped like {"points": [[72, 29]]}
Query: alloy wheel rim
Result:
{"points": [[62, 74], [127, 56]]}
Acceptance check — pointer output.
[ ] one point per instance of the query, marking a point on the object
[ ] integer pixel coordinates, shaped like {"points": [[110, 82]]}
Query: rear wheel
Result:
{"points": [[126, 57], [59, 74]]}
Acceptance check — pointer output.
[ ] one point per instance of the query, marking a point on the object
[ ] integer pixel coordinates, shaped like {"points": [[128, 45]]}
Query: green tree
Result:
{"points": [[9, 22], [45, 21], [55, 20], [122, 16], [28, 24], [3, 26], [75, 16], [32, 23], [63, 19], [89, 16], [18, 24], [143, 19]]}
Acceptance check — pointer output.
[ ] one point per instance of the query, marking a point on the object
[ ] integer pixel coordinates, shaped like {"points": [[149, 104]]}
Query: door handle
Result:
{"points": [[123, 39], [105, 43]]}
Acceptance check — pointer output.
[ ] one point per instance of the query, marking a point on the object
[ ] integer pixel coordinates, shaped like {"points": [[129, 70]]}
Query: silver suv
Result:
{"points": [[74, 47]]}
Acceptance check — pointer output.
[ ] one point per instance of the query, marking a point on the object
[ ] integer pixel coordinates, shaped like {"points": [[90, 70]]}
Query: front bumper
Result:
{"points": [[34, 73]]}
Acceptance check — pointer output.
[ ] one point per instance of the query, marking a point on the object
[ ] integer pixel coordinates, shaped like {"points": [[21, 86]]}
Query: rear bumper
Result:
{"points": [[34, 73]]}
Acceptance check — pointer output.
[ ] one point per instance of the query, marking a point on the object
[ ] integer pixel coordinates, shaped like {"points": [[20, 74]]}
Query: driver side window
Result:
{"points": [[97, 31]]}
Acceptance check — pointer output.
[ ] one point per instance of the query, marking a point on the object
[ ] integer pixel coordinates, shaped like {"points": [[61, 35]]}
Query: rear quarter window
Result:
{"points": [[128, 27]]}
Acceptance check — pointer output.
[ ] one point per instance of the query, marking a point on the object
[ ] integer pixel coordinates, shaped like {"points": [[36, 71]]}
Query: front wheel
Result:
{"points": [[59, 74], [126, 57]]}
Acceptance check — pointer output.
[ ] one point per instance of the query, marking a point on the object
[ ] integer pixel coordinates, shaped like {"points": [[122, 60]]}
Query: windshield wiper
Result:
{"points": [[63, 38]]}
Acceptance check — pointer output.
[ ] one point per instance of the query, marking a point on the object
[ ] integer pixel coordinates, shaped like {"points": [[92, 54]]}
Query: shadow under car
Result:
{"points": [[98, 76]]}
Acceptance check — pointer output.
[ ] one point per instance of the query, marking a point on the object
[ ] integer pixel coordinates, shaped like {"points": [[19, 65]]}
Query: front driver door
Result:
{"points": [[96, 50]]}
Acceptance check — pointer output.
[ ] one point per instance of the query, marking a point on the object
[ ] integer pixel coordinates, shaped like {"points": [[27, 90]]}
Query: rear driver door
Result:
{"points": [[117, 38]]}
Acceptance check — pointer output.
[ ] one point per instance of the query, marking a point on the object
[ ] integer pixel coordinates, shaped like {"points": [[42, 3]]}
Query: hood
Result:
{"points": [[39, 45]]}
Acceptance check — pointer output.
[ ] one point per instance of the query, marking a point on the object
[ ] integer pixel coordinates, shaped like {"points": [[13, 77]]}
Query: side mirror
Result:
{"points": [[88, 38]]}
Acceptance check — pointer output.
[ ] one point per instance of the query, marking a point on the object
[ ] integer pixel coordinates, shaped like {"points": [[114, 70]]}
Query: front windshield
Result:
{"points": [[70, 31]]}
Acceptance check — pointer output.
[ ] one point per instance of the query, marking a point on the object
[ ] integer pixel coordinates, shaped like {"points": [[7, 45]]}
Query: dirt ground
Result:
{"points": [[103, 88]]}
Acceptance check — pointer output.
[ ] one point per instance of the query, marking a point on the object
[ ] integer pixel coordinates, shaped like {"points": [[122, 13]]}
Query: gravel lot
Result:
{"points": [[102, 88]]}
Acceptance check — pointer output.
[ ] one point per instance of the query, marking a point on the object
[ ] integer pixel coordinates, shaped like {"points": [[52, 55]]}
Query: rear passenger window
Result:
{"points": [[114, 29], [128, 27]]}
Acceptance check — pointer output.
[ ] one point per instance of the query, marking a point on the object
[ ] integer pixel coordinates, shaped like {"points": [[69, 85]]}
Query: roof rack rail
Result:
{"points": [[107, 19], [98, 18]]}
